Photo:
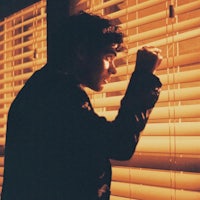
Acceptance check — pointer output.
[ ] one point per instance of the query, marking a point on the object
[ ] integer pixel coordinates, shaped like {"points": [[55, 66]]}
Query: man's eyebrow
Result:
{"points": [[110, 51]]}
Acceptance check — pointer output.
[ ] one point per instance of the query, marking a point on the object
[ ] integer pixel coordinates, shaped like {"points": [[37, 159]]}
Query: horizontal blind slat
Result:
{"points": [[104, 5], [179, 10], [182, 94], [112, 197], [22, 66], [160, 15], [169, 62], [182, 111], [27, 10], [180, 77], [134, 8], [169, 161], [162, 178], [193, 23], [167, 41], [14, 27], [174, 128], [22, 45], [151, 192], [169, 144]]}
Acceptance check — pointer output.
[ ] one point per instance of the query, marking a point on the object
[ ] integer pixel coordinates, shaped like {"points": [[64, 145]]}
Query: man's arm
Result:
{"points": [[141, 95]]}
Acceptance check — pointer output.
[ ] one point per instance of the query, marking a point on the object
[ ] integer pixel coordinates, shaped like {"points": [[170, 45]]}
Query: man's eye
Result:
{"points": [[109, 58]]}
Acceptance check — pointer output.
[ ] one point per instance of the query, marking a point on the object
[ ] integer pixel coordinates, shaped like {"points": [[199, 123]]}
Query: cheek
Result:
{"points": [[106, 64], [98, 67]]}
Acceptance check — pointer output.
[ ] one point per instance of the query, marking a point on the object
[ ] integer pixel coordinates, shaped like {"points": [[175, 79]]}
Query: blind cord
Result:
{"points": [[172, 16], [13, 58], [171, 111]]}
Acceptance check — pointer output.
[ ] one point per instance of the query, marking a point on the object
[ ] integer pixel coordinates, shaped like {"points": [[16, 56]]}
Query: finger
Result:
{"points": [[157, 50], [159, 60], [153, 49]]}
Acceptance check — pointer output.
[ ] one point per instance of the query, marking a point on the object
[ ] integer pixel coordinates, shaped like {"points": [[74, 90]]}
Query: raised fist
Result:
{"points": [[148, 59]]}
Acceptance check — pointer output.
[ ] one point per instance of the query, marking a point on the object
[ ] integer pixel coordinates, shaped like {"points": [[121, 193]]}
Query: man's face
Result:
{"points": [[101, 68]]}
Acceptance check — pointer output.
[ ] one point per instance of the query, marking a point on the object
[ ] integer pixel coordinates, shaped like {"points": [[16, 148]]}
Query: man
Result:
{"points": [[57, 147]]}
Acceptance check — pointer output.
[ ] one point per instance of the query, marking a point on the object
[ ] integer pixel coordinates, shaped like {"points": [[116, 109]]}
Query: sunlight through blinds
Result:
{"points": [[166, 164]]}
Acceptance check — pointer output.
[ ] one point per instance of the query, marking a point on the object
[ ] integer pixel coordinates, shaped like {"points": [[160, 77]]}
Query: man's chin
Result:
{"points": [[97, 88]]}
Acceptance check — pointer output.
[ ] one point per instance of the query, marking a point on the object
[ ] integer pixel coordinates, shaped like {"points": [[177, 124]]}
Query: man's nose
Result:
{"points": [[112, 68]]}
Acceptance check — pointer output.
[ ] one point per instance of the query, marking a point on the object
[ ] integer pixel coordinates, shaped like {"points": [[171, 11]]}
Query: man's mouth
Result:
{"points": [[105, 81]]}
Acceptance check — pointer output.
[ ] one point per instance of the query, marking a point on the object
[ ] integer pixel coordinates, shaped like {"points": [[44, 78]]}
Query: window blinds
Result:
{"points": [[166, 163], [22, 51]]}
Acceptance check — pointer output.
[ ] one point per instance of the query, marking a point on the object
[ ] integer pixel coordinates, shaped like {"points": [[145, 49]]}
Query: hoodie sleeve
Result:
{"points": [[141, 96]]}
